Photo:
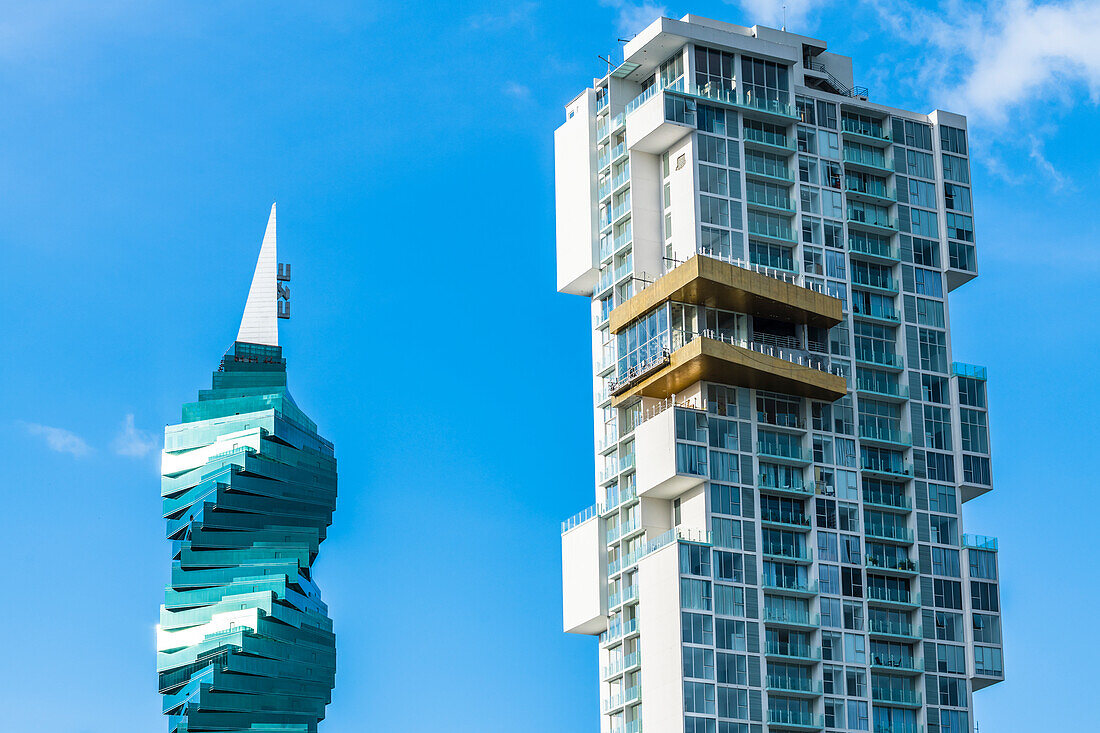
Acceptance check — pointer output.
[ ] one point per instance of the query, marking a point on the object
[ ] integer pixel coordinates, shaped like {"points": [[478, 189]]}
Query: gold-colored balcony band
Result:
{"points": [[710, 360], [709, 282]]}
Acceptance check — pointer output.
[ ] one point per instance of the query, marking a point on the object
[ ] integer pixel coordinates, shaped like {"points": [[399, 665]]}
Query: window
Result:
{"points": [[937, 427], [928, 283], [983, 596], [698, 663], [733, 703], [919, 164], [694, 560], [725, 499], [944, 530], [712, 149], [975, 432], [922, 193], [730, 634], [987, 628], [945, 562], [691, 459], [697, 628], [729, 566], [726, 533], [695, 594], [971, 392], [732, 669], [946, 594], [728, 600], [924, 223], [957, 197], [952, 140], [713, 180], [933, 350], [941, 498], [987, 660], [926, 252], [698, 725], [930, 312], [713, 67], [766, 83], [949, 626], [955, 169], [698, 697], [983, 564]]}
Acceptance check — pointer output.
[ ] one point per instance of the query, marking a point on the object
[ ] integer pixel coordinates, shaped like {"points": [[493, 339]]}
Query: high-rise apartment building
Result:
{"points": [[244, 642], [784, 444]]}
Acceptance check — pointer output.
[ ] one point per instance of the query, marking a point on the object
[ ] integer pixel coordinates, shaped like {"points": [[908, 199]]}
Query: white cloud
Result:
{"points": [[516, 90], [990, 60], [517, 15], [632, 18], [132, 442], [60, 440], [797, 15]]}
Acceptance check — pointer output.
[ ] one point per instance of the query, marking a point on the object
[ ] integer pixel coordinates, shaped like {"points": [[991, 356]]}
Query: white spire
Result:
{"points": [[260, 324]]}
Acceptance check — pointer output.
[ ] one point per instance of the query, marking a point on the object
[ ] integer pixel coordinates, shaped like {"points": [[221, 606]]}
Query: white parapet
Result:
{"points": [[584, 578]]}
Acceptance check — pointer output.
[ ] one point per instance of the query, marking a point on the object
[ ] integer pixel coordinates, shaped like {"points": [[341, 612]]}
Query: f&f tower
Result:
{"points": [[244, 642]]}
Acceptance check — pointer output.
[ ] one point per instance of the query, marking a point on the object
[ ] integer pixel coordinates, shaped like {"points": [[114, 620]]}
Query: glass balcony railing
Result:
{"points": [[782, 683], [972, 371], [790, 552], [882, 358], [798, 585], [581, 517], [880, 387], [889, 532], [886, 498], [900, 564], [864, 127], [625, 697], [783, 516], [878, 248], [893, 661], [893, 628], [885, 434], [791, 649], [980, 542], [616, 667], [902, 697], [790, 451], [799, 718], [859, 277], [791, 616], [892, 595]]}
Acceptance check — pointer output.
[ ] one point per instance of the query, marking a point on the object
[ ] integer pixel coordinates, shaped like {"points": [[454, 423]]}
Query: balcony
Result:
{"points": [[873, 357], [881, 315], [794, 488], [980, 542], [784, 617], [738, 362], [616, 668], [902, 535], [704, 280], [883, 595], [858, 160], [784, 519], [885, 435], [870, 194], [884, 252], [790, 586], [892, 629], [797, 686], [880, 389], [903, 698], [776, 451], [862, 132], [788, 553], [789, 650], [891, 470], [794, 719], [901, 567], [660, 120], [873, 223], [887, 500], [621, 699], [902, 664]]}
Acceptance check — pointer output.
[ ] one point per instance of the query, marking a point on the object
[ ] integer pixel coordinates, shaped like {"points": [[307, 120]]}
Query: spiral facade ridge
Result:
{"points": [[249, 487]]}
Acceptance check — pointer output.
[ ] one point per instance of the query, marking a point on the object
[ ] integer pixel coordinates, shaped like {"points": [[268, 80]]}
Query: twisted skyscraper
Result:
{"points": [[249, 487]]}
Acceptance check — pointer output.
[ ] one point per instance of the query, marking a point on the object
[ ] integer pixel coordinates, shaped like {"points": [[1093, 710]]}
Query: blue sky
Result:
{"points": [[409, 146]]}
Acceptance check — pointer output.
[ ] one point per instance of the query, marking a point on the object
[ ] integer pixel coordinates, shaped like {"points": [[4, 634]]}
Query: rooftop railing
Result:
{"points": [[979, 542]]}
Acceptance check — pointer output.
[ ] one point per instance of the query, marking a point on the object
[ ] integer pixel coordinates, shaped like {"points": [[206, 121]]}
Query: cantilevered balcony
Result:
{"points": [[739, 362], [711, 282]]}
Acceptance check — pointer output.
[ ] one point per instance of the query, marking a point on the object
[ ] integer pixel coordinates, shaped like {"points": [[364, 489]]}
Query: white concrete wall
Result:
{"points": [[584, 578], [575, 197], [659, 623], [684, 199], [655, 459]]}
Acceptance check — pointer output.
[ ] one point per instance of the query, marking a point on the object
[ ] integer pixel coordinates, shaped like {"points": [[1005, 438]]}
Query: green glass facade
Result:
{"points": [[245, 642]]}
